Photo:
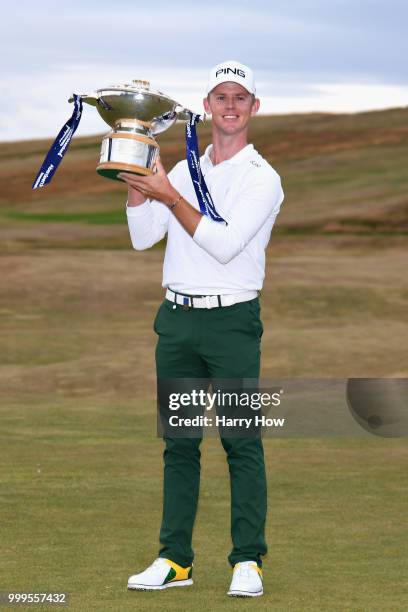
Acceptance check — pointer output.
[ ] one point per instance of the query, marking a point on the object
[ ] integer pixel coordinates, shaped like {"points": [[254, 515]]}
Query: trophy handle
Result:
{"points": [[183, 114], [91, 98]]}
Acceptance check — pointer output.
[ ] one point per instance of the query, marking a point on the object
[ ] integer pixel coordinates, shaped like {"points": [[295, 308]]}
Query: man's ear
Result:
{"points": [[206, 106], [255, 106]]}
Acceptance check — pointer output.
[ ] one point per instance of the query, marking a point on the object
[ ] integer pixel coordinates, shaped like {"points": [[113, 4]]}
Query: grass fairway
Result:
{"points": [[81, 508], [81, 465]]}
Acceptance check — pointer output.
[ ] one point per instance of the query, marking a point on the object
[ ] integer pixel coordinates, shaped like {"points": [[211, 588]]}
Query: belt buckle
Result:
{"points": [[185, 305]]}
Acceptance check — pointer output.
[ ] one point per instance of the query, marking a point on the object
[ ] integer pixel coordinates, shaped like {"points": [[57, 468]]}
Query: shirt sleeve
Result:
{"points": [[258, 202], [148, 223]]}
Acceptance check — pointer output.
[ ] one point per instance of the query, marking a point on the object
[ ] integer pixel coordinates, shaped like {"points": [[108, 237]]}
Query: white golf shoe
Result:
{"points": [[246, 580], [161, 574]]}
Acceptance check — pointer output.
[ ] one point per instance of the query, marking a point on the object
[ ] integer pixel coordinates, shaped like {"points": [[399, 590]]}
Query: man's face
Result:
{"points": [[231, 107]]}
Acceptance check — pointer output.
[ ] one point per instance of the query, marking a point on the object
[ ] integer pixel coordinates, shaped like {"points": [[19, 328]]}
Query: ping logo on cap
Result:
{"points": [[227, 70], [231, 71]]}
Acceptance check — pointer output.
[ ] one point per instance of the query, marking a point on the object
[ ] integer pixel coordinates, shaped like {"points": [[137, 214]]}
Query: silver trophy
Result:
{"points": [[136, 114]]}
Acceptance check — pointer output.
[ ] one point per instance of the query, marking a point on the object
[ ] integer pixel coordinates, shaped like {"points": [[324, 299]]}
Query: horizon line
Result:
{"points": [[208, 120]]}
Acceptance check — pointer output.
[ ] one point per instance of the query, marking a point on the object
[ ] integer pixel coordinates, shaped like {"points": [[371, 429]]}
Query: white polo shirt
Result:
{"points": [[219, 258]]}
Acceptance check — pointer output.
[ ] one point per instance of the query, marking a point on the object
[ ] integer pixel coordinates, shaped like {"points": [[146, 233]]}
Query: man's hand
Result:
{"points": [[156, 186], [135, 197]]}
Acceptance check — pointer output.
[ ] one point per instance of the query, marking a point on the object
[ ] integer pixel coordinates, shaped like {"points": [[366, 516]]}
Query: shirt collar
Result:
{"points": [[235, 159]]}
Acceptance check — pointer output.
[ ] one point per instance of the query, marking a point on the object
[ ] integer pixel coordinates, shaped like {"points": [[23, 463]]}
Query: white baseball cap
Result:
{"points": [[231, 71]]}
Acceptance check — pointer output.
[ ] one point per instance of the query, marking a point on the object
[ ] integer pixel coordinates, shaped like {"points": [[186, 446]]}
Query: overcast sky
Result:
{"points": [[331, 55]]}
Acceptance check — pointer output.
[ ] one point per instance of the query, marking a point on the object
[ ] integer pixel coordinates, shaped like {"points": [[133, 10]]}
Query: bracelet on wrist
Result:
{"points": [[175, 202]]}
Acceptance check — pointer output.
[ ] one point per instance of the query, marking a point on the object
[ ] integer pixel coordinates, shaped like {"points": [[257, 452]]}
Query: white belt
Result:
{"points": [[210, 301]]}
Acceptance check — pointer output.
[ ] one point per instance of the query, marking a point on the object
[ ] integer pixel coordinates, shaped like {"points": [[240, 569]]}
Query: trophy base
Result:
{"points": [[127, 152], [111, 170]]}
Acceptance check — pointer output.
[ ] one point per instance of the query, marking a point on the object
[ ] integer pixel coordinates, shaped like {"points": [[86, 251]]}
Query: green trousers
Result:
{"points": [[213, 343]]}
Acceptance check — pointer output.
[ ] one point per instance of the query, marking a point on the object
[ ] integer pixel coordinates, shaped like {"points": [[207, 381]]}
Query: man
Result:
{"points": [[209, 325]]}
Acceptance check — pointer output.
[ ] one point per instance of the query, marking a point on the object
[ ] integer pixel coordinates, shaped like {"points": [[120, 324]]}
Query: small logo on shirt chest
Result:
{"points": [[254, 163]]}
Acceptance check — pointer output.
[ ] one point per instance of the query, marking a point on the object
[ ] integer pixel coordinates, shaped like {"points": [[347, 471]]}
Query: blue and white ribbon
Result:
{"points": [[204, 198], [59, 148]]}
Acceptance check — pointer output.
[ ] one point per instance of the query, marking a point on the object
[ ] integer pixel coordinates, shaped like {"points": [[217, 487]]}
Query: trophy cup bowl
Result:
{"points": [[136, 113]]}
